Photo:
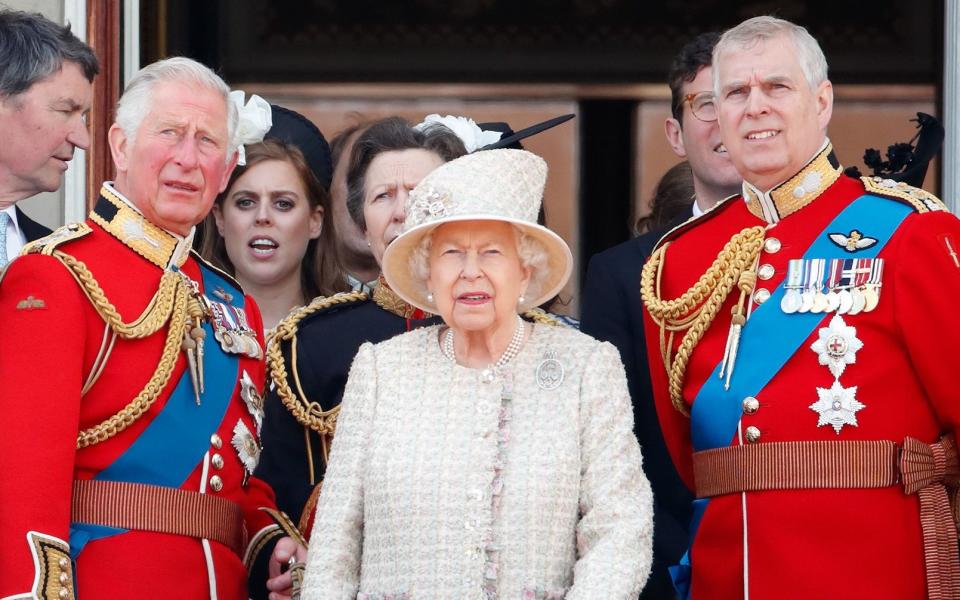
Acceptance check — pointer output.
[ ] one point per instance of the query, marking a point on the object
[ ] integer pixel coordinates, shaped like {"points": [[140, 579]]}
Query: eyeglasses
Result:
{"points": [[702, 106]]}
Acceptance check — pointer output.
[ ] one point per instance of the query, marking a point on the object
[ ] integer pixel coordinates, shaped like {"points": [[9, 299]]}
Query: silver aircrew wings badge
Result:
{"points": [[853, 241]]}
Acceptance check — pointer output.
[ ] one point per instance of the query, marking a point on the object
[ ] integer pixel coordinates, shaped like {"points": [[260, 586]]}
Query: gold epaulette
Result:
{"points": [[46, 245], [306, 412], [921, 200], [538, 315]]}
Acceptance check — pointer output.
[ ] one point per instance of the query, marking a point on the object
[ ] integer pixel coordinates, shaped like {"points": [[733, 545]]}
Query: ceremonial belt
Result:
{"points": [[927, 470], [160, 509]]}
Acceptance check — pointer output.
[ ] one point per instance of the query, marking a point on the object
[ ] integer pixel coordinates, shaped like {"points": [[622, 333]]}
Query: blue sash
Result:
{"points": [[716, 412], [174, 442]]}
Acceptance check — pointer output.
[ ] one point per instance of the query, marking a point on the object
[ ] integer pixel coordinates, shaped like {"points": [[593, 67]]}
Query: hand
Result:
{"points": [[280, 583]]}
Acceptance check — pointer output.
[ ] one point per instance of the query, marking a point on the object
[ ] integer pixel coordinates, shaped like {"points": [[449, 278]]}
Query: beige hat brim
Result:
{"points": [[401, 279]]}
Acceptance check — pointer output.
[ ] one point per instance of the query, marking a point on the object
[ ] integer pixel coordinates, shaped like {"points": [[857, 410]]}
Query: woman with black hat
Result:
{"points": [[274, 227]]}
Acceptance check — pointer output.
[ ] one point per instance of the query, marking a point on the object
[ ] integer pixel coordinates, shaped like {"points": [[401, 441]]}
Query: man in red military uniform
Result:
{"points": [[795, 341], [131, 384]]}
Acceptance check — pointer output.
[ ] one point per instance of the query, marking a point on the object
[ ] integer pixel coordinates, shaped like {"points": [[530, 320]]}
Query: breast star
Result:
{"points": [[837, 406]]}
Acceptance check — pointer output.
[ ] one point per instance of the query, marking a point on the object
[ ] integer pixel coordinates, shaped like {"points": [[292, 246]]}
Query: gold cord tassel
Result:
{"points": [[746, 283]]}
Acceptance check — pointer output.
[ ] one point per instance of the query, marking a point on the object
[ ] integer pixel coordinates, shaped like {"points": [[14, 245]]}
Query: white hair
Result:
{"points": [[761, 29], [135, 102], [533, 255]]}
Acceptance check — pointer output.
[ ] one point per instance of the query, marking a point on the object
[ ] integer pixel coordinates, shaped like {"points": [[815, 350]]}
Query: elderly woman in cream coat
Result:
{"points": [[487, 457]]}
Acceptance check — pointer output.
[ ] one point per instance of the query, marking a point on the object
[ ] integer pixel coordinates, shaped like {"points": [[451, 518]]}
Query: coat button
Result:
{"points": [[752, 434], [216, 442], [750, 406], [766, 271], [772, 245], [761, 295], [217, 461], [216, 484]]}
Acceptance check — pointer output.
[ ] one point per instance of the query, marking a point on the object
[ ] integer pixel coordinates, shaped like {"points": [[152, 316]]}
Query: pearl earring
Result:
{"points": [[521, 299], [429, 297]]}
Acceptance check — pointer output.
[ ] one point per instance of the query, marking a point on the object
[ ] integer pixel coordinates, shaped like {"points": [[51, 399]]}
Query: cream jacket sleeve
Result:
{"points": [[615, 533], [333, 559]]}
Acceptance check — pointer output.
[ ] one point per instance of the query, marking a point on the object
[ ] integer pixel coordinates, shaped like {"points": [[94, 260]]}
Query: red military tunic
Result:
{"points": [[820, 543], [62, 372]]}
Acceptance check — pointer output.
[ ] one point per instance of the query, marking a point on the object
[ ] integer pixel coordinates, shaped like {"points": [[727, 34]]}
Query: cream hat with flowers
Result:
{"points": [[493, 185]]}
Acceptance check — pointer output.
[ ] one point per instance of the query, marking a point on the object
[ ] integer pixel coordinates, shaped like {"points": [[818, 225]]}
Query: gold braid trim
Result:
{"points": [[696, 308], [307, 413], [538, 315], [154, 316], [151, 391]]}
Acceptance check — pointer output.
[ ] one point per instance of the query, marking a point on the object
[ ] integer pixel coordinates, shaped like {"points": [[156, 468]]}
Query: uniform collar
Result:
{"points": [[798, 191], [121, 219], [389, 301]]}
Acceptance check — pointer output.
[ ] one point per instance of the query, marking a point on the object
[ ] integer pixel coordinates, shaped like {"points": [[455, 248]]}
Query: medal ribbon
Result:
{"points": [[716, 412]]}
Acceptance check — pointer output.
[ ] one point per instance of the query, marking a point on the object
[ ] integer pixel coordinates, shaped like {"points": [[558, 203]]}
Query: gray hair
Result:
{"points": [[761, 29], [34, 47], [134, 104], [533, 255]]}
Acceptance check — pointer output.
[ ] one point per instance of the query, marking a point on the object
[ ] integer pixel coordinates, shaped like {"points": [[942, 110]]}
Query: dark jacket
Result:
{"points": [[30, 228]]}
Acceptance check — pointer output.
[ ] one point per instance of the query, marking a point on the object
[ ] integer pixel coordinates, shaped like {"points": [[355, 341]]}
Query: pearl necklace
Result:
{"points": [[513, 348]]}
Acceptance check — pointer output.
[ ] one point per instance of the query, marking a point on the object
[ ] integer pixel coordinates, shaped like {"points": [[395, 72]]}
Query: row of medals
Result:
{"points": [[853, 286]]}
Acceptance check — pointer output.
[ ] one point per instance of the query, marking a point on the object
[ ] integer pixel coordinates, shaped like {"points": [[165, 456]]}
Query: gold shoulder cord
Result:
{"points": [[169, 304], [306, 412], [538, 315], [694, 310]]}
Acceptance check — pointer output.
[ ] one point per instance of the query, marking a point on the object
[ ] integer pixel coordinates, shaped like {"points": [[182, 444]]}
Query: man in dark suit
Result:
{"points": [[46, 88], [611, 295]]}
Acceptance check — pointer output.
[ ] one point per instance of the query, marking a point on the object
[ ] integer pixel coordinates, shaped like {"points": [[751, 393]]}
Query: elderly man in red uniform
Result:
{"points": [[132, 398], [795, 336]]}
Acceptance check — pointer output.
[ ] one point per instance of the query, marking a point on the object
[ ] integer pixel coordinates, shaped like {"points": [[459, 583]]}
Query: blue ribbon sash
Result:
{"points": [[716, 412]]}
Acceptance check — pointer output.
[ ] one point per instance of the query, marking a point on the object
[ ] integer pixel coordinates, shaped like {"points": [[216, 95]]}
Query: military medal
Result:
{"points": [[837, 406], [252, 398], [248, 450], [871, 291], [792, 300], [833, 297], [837, 345], [230, 328], [818, 270]]}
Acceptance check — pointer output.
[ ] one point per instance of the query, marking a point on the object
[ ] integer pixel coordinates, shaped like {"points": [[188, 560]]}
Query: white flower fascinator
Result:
{"points": [[466, 129], [253, 122]]}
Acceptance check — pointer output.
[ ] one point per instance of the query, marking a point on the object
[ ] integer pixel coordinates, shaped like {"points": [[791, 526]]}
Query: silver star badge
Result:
{"points": [[837, 345], [837, 406], [246, 446]]}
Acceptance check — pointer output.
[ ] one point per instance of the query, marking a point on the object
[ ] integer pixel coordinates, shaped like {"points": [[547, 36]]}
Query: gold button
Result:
{"points": [[216, 484], [215, 441], [761, 295], [752, 434], [772, 245], [64, 578], [766, 271], [217, 461], [64, 564], [750, 405], [64, 593]]}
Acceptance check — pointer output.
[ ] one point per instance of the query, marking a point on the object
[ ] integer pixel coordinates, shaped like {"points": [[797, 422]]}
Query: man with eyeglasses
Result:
{"points": [[612, 309]]}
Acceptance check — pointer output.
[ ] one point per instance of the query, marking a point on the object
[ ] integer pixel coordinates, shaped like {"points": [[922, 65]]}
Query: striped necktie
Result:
{"points": [[4, 219]]}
